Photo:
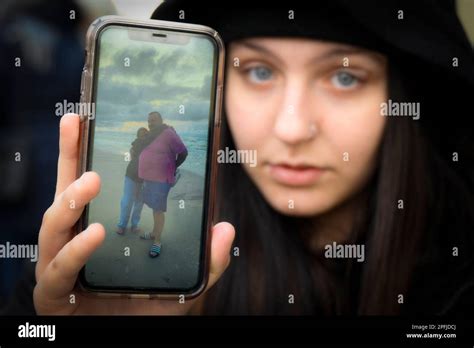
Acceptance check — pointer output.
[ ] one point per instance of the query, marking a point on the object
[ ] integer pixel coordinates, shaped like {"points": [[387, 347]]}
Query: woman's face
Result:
{"points": [[311, 111]]}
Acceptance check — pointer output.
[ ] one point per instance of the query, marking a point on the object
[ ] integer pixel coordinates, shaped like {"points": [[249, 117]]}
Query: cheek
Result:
{"points": [[249, 118], [354, 131]]}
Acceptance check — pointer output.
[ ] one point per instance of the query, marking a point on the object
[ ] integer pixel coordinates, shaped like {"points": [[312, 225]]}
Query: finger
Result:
{"points": [[59, 278], [222, 238], [56, 229], [68, 151]]}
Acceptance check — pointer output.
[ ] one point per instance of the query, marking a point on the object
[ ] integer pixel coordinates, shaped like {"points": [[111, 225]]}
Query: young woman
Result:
{"points": [[132, 197], [357, 117]]}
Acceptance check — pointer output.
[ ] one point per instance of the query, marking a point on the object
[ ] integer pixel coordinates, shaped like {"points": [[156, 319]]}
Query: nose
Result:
{"points": [[295, 122]]}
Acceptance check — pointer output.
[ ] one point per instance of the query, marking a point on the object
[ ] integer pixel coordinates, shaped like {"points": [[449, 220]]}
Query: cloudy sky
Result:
{"points": [[137, 77]]}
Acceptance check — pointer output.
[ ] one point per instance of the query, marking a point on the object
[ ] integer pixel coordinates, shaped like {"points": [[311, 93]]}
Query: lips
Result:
{"points": [[295, 174]]}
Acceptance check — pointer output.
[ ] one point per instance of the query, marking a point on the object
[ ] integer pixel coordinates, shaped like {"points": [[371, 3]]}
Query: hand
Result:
{"points": [[62, 254]]}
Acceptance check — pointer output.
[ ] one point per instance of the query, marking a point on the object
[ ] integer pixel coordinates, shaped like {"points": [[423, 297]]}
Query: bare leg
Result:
{"points": [[158, 223]]}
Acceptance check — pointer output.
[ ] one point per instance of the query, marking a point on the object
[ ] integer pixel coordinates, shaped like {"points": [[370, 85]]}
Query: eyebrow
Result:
{"points": [[346, 51], [260, 49], [335, 52]]}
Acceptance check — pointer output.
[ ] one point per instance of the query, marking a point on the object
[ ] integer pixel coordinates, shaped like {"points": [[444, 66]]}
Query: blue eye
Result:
{"points": [[344, 80], [260, 74]]}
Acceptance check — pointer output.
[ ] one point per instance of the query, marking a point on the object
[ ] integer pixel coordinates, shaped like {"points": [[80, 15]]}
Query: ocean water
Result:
{"points": [[116, 138]]}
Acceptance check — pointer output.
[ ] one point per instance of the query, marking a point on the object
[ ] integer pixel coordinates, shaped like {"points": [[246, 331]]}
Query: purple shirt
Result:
{"points": [[158, 160]]}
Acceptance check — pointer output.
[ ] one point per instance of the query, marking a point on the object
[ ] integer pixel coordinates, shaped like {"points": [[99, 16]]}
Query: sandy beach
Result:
{"points": [[178, 263]]}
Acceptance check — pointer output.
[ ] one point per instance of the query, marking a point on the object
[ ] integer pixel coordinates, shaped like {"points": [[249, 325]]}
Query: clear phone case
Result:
{"points": [[87, 93]]}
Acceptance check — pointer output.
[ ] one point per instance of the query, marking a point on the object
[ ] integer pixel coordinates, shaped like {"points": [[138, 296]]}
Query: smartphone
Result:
{"points": [[151, 96]]}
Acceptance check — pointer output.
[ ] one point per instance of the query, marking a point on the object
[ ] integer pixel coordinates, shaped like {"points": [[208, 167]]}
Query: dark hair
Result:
{"points": [[141, 129], [273, 261], [157, 114]]}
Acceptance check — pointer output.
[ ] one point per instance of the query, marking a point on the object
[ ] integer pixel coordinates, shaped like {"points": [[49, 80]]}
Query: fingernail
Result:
{"points": [[84, 175], [89, 228], [80, 179]]}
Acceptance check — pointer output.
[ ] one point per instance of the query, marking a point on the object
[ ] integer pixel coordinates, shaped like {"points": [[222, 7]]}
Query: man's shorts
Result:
{"points": [[155, 194]]}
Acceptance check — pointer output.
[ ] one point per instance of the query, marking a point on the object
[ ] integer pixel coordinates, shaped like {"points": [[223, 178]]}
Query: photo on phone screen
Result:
{"points": [[149, 142]]}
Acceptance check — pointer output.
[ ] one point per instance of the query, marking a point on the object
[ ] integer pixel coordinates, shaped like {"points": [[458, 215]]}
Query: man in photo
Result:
{"points": [[157, 166]]}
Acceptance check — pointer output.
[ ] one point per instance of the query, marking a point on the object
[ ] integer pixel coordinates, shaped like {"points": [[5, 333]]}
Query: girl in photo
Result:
{"points": [[132, 198]]}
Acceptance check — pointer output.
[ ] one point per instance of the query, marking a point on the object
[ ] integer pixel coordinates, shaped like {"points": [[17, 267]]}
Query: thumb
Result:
{"points": [[222, 237]]}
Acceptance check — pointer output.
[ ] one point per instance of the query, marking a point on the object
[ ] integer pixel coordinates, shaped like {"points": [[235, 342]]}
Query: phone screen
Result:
{"points": [[149, 142]]}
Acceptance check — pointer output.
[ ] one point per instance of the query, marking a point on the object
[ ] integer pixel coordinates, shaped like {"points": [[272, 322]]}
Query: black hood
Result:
{"points": [[427, 29]]}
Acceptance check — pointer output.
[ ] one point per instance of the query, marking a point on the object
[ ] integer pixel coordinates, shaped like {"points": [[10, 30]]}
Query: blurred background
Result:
{"points": [[41, 59]]}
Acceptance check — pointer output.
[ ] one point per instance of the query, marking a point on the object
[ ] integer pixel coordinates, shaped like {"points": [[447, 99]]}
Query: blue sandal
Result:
{"points": [[155, 250]]}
